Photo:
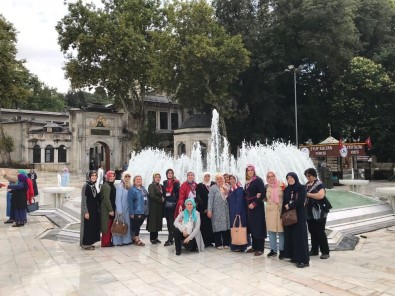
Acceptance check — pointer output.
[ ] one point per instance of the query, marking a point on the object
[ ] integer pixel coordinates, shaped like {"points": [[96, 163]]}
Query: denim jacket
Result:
{"points": [[138, 201]]}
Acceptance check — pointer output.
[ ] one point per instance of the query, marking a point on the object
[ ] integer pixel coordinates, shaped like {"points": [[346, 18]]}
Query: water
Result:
{"points": [[279, 157]]}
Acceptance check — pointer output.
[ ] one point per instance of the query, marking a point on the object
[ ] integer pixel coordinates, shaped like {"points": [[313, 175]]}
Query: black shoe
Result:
{"points": [[168, 243], [302, 265], [158, 241], [9, 221], [312, 253], [154, 242], [292, 261], [281, 256], [272, 254], [178, 252], [324, 256]]}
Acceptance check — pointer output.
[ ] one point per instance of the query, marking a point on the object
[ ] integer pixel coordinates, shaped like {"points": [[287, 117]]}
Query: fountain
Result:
{"points": [[280, 157], [56, 194]]}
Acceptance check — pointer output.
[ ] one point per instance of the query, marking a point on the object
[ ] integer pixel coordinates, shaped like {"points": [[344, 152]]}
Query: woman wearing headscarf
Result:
{"points": [[90, 217], [187, 190], [187, 229], [65, 177], [19, 207], [122, 209], [156, 200], [107, 208], [33, 176], [202, 190], [296, 245], [172, 188], [138, 208], [218, 211], [255, 193], [10, 212], [237, 208], [274, 198]]}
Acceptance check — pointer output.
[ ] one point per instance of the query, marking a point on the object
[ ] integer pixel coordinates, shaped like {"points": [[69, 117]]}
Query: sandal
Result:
{"points": [[139, 243]]}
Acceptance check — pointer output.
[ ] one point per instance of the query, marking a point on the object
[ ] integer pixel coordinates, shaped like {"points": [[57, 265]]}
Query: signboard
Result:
{"points": [[332, 150]]}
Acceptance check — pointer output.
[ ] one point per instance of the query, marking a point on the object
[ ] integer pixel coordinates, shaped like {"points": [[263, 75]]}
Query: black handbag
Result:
{"points": [[170, 205], [33, 206]]}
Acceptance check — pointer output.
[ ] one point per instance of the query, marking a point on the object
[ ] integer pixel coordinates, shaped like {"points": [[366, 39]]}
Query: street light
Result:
{"points": [[291, 68]]}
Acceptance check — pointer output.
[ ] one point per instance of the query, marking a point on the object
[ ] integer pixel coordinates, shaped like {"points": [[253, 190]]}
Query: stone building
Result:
{"points": [[83, 138]]}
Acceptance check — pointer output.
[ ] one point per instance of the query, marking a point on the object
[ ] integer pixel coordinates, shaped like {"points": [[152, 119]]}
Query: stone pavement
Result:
{"points": [[32, 265]]}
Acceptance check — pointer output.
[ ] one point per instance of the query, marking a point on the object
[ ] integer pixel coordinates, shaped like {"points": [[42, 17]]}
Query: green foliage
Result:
{"points": [[7, 144], [196, 60], [13, 72], [364, 102], [42, 97], [110, 47]]}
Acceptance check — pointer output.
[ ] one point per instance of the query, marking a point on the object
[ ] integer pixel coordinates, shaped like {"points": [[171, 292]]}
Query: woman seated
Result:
{"points": [[187, 229]]}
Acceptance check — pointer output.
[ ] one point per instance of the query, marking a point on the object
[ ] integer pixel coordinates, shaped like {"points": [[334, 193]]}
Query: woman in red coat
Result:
{"points": [[187, 190]]}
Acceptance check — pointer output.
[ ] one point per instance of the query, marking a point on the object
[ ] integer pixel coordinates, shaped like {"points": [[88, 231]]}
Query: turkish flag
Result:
{"points": [[368, 143]]}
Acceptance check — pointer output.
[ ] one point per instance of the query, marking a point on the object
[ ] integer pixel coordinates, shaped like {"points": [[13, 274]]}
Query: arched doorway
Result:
{"points": [[99, 155]]}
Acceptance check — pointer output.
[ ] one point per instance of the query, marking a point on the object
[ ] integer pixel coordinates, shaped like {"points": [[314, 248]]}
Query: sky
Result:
{"points": [[35, 21]]}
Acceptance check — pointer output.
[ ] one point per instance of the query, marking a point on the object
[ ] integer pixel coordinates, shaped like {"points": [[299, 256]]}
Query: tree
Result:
{"points": [[13, 74], [42, 97], [364, 102], [111, 47], [196, 60]]}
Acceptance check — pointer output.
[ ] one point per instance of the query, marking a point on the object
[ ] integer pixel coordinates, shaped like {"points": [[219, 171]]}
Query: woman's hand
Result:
{"points": [[185, 233], [186, 240], [132, 216], [209, 214], [111, 213], [180, 209], [86, 216], [286, 207], [251, 206]]}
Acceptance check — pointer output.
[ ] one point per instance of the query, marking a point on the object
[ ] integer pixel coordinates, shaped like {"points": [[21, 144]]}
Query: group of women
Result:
{"points": [[200, 215], [21, 190]]}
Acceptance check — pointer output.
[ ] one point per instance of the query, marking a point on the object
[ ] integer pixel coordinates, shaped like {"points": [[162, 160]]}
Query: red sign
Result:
{"points": [[332, 150]]}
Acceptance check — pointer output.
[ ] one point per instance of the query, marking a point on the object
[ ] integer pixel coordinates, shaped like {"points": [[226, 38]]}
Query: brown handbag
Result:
{"points": [[238, 234], [289, 217], [119, 227]]}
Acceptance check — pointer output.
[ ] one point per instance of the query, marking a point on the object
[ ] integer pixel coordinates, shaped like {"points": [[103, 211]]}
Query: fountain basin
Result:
{"points": [[55, 195], [388, 192], [355, 184]]}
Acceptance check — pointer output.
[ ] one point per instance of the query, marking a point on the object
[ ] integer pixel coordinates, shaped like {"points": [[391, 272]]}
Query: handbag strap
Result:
{"points": [[234, 221]]}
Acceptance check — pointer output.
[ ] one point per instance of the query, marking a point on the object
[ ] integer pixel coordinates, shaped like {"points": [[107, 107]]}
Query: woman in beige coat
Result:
{"points": [[274, 198]]}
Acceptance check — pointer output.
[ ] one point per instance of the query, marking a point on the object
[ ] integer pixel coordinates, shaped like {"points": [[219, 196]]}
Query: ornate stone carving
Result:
{"points": [[100, 122]]}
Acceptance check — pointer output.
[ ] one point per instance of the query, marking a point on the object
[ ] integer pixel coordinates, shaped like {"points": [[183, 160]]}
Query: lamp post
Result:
{"points": [[292, 68]]}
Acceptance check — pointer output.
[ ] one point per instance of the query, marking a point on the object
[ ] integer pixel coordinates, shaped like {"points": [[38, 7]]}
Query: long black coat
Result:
{"points": [[206, 227], [295, 236], [256, 216], [155, 196]]}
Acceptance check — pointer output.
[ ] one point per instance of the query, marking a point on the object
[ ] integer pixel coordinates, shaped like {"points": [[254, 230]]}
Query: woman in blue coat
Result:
{"points": [[138, 208], [237, 207]]}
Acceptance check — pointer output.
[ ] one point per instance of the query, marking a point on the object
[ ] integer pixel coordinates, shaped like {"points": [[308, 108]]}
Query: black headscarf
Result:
{"points": [[295, 187]]}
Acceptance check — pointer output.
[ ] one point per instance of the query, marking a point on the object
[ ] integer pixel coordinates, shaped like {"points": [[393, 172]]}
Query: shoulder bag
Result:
{"points": [[290, 217], [238, 234], [119, 227]]}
